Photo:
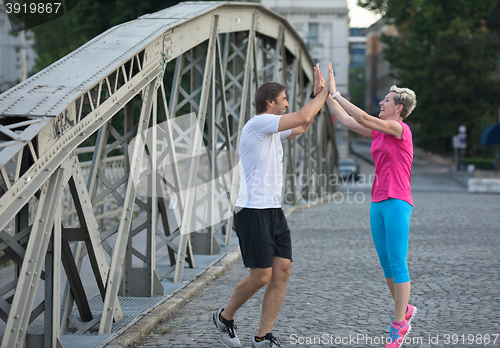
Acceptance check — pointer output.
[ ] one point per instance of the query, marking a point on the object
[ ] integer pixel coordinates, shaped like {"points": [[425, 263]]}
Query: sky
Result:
{"points": [[360, 17]]}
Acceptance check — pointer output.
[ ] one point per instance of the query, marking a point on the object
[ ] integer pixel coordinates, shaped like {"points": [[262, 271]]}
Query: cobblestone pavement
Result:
{"points": [[337, 297]]}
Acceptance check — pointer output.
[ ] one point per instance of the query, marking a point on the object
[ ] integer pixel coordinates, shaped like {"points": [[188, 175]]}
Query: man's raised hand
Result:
{"points": [[319, 82]]}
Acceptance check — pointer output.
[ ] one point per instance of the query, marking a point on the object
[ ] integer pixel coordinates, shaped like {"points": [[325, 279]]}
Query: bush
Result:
{"points": [[480, 163]]}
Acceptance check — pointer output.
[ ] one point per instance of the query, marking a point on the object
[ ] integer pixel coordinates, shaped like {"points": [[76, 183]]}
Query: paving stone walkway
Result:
{"points": [[337, 296]]}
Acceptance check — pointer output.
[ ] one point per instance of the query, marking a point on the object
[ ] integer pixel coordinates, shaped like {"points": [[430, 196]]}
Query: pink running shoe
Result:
{"points": [[411, 312], [397, 335]]}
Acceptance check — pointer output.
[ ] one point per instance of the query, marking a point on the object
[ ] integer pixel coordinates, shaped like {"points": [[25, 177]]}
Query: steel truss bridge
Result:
{"points": [[205, 58]]}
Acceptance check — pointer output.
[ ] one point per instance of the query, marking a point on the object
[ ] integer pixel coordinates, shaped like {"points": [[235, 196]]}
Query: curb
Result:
{"points": [[144, 325], [147, 322], [461, 180]]}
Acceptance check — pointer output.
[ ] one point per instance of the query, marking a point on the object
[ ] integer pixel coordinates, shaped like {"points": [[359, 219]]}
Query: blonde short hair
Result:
{"points": [[405, 97]]}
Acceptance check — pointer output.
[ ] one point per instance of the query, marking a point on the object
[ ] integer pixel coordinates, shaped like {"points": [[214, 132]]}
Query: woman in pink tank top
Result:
{"points": [[392, 203]]}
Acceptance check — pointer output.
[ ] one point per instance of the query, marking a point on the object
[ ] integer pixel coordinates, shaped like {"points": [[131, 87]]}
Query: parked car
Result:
{"points": [[349, 168]]}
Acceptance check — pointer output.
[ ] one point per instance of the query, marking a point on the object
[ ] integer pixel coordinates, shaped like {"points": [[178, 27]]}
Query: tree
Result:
{"points": [[357, 86], [446, 54]]}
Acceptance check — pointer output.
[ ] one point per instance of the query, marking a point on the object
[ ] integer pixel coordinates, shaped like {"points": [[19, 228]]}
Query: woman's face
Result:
{"points": [[388, 110]]}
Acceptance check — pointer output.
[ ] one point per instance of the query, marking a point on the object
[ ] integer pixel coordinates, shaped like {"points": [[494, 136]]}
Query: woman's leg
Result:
{"points": [[401, 298], [397, 225], [377, 227], [390, 285]]}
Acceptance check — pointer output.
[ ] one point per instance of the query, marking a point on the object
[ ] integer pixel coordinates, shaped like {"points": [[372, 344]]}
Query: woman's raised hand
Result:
{"points": [[331, 80]]}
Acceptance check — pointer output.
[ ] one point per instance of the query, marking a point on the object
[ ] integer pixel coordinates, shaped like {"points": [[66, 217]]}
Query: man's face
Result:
{"points": [[278, 106]]}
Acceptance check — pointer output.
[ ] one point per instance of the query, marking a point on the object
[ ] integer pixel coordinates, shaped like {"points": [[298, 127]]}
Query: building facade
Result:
{"points": [[17, 56], [324, 27], [357, 48]]}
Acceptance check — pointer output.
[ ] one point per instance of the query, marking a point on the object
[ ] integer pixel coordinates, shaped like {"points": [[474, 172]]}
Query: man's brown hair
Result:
{"points": [[268, 91]]}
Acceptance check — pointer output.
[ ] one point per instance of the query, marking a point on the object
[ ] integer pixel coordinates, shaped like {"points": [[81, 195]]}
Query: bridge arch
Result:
{"points": [[94, 102]]}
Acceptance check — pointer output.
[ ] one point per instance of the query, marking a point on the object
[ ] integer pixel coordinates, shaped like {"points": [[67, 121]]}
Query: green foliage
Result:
{"points": [[479, 163], [446, 54], [377, 6], [357, 86]]}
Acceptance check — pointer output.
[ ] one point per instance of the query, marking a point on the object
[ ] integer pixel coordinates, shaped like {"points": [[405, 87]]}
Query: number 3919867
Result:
{"points": [[32, 7], [471, 339]]}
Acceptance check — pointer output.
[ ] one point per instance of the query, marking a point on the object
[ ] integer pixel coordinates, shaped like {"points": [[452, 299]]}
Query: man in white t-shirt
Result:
{"points": [[259, 221]]}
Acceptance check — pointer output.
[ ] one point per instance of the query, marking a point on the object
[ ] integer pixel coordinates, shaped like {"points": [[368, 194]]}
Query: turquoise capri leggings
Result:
{"points": [[390, 225]]}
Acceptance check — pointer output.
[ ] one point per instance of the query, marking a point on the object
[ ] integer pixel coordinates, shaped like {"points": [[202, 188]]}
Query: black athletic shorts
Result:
{"points": [[262, 234]]}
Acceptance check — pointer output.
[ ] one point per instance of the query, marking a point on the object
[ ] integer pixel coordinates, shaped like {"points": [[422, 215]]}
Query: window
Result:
{"points": [[313, 33]]}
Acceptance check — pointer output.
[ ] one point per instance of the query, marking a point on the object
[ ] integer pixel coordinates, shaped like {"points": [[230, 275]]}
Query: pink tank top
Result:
{"points": [[393, 159]]}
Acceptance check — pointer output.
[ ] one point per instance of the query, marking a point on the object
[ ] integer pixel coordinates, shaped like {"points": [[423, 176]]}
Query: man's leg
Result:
{"points": [[223, 318], [245, 289], [252, 228], [274, 295]]}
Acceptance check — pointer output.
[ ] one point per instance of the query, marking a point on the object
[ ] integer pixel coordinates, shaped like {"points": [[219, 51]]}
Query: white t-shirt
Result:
{"points": [[261, 163]]}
